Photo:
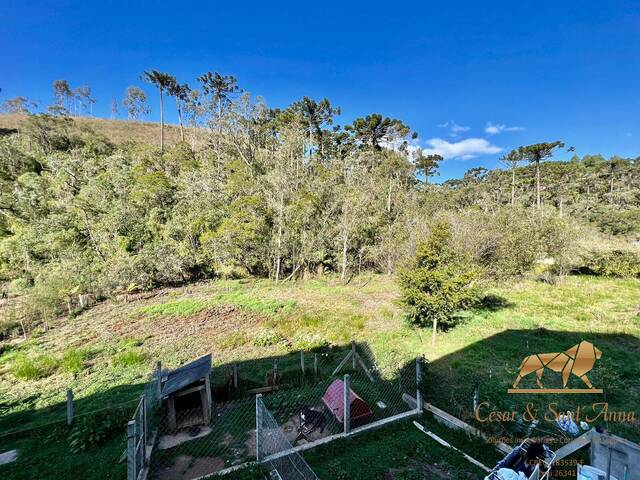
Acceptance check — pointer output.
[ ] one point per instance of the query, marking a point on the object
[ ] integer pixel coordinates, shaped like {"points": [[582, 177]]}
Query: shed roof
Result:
{"points": [[333, 400], [186, 375]]}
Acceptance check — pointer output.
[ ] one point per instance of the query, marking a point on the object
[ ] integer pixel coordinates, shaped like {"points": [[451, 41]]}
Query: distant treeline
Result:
{"points": [[279, 193]]}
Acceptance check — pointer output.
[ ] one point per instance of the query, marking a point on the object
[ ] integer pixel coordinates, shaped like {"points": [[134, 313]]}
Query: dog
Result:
{"points": [[578, 360]]}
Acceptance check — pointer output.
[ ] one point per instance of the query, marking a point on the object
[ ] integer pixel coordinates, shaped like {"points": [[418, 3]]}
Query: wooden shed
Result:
{"points": [[333, 399], [185, 388]]}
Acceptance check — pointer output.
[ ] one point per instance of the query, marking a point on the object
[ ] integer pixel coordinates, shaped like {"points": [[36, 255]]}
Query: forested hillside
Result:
{"points": [[277, 193]]}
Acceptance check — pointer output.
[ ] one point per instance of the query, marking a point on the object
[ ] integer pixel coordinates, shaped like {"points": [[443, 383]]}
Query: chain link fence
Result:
{"points": [[271, 410]]}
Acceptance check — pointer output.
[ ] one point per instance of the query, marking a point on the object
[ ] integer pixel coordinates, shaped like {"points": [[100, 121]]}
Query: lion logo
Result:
{"points": [[578, 360]]}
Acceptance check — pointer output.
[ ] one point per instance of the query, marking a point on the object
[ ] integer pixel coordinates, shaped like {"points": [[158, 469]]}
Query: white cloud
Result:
{"points": [[495, 128], [464, 149], [454, 128]]}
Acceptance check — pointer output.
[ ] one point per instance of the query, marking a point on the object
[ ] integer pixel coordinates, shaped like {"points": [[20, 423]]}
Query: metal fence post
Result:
{"points": [[302, 361], [419, 405], [346, 420], [132, 467], [143, 404], [258, 426], [159, 380], [69, 407], [353, 355], [315, 364]]}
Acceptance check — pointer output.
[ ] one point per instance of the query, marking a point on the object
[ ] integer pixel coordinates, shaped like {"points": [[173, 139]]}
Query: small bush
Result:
{"points": [[309, 341], [128, 358], [440, 282], [248, 302], [33, 367], [91, 431], [183, 308], [265, 338], [73, 360], [233, 340], [615, 263]]}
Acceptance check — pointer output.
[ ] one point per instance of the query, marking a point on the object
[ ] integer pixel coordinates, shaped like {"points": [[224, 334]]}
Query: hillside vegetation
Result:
{"points": [[278, 194]]}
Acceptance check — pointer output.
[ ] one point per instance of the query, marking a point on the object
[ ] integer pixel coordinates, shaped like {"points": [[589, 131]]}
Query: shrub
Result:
{"points": [[265, 338], [33, 367], [73, 360], [183, 308], [128, 358], [440, 282], [309, 341], [615, 263], [233, 340], [90, 431]]}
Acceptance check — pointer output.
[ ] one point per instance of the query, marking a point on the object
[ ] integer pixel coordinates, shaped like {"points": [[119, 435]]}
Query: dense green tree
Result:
{"points": [[313, 116], [375, 130], [439, 283]]}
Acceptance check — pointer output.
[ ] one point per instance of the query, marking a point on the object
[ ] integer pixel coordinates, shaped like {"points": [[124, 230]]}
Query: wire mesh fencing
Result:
{"points": [[264, 407], [275, 450], [142, 429]]}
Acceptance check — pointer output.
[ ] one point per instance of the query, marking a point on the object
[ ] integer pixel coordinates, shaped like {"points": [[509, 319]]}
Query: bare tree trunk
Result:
{"points": [[538, 201], [345, 248], [279, 243], [389, 228], [513, 186], [433, 332], [180, 119], [161, 122]]}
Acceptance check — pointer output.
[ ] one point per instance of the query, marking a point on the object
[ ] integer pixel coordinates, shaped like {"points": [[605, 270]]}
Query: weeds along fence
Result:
{"points": [[271, 411]]}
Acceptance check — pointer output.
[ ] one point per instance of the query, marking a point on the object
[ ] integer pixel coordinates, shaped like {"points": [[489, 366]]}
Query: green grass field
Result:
{"points": [[106, 353]]}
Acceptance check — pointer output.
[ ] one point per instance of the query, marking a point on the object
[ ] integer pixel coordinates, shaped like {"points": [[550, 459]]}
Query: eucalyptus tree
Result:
{"points": [[135, 101], [84, 100], [512, 160], [375, 130], [114, 108], [18, 105], [535, 154], [163, 81], [62, 94]]}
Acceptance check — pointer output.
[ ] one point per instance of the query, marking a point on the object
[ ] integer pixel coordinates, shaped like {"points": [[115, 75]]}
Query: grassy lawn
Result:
{"points": [[106, 353]]}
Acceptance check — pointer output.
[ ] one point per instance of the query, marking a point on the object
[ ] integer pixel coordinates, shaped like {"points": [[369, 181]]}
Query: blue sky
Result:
{"points": [[473, 78]]}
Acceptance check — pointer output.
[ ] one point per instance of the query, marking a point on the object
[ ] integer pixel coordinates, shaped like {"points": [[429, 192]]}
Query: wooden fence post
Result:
{"points": [[418, 385], [346, 408], [132, 457], [258, 426], [69, 407]]}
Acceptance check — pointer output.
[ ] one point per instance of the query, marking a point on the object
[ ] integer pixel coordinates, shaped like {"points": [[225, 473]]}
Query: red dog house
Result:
{"points": [[333, 399]]}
